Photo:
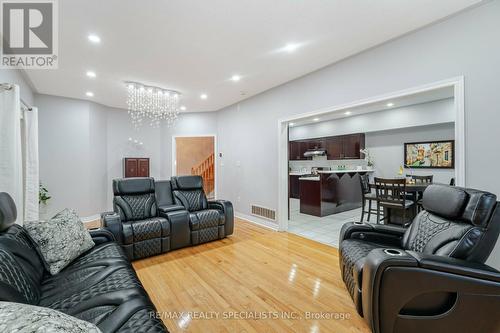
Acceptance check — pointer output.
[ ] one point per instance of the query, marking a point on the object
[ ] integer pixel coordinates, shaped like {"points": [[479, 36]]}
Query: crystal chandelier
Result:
{"points": [[151, 104]]}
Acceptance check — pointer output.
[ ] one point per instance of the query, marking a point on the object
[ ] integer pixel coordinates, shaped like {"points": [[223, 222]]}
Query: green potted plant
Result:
{"points": [[43, 198]]}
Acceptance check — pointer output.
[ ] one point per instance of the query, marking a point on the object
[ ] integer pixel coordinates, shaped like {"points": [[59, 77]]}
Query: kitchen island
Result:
{"points": [[331, 192]]}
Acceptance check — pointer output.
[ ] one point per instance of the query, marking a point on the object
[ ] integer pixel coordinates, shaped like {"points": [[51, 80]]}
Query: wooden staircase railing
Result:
{"points": [[206, 169]]}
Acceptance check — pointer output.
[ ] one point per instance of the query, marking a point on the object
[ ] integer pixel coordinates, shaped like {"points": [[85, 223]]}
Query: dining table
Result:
{"points": [[414, 190]]}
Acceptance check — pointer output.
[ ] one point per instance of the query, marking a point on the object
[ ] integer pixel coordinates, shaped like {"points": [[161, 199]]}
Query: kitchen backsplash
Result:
{"points": [[321, 161]]}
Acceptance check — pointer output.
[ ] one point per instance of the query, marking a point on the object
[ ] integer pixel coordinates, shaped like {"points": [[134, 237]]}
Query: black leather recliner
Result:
{"points": [[135, 222], [100, 286], [208, 220], [151, 217], [429, 277]]}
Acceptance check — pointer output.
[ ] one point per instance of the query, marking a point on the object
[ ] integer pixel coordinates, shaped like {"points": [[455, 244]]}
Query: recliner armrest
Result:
{"points": [[376, 263], [227, 208], [180, 231], [414, 292], [100, 235], [113, 223], [376, 233], [163, 210], [456, 266]]}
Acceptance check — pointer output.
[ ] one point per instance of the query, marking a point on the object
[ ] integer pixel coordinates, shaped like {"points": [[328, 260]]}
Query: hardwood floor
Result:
{"points": [[231, 285]]}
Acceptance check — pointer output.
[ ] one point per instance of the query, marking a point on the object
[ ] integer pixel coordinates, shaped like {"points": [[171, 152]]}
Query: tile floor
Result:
{"points": [[321, 229]]}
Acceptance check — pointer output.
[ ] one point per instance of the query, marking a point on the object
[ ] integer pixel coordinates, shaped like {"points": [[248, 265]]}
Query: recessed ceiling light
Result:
{"points": [[347, 113], [291, 124], [91, 74], [183, 108], [291, 47], [316, 119], [89, 94], [203, 96], [390, 105], [235, 78], [94, 38]]}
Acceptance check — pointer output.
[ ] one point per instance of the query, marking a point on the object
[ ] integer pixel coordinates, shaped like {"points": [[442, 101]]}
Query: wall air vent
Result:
{"points": [[266, 213]]}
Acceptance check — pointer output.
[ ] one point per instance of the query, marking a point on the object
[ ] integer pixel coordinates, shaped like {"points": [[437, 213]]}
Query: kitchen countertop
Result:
{"points": [[346, 170], [299, 173], [312, 178]]}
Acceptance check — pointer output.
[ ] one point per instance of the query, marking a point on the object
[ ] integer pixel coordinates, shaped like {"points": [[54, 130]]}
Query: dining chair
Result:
{"points": [[420, 180], [391, 194], [367, 196]]}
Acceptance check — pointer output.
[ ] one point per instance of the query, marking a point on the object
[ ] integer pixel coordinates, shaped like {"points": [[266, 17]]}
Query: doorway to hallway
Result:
{"points": [[195, 155]]}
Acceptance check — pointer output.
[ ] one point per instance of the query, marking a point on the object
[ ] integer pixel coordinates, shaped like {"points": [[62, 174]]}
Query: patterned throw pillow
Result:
{"points": [[60, 239], [24, 318]]}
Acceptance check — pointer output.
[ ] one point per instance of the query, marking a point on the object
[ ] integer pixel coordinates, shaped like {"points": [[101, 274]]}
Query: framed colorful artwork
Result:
{"points": [[430, 154]]}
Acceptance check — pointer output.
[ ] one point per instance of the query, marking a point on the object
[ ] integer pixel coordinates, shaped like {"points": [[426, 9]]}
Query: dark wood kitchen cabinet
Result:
{"points": [[334, 147], [297, 149], [341, 147], [293, 186], [351, 145], [135, 167], [318, 143]]}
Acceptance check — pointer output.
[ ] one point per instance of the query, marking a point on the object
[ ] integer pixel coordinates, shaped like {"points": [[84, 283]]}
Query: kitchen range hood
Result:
{"points": [[315, 152]]}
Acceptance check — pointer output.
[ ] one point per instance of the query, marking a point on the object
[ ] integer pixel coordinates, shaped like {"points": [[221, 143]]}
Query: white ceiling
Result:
{"points": [[195, 46]]}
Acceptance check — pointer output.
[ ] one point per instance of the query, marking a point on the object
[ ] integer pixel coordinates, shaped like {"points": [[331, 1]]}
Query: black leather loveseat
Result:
{"points": [[430, 277], [100, 286], [152, 218]]}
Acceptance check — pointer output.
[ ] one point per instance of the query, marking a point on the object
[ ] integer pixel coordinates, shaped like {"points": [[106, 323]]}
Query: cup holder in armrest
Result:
{"points": [[393, 252], [359, 222]]}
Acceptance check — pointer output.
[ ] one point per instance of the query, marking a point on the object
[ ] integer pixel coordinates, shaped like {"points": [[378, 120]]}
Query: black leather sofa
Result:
{"points": [[430, 277], [100, 286], [151, 217]]}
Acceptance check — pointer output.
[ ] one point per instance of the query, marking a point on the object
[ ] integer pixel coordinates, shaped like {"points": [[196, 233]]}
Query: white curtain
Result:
{"points": [[11, 157], [30, 162]]}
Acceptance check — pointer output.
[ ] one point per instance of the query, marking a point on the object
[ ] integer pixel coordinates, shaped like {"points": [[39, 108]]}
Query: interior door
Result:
{"points": [[143, 167], [131, 167], [196, 156]]}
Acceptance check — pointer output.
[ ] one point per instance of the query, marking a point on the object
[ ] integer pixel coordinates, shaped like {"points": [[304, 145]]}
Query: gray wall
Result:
{"points": [[157, 143], [119, 129], [18, 77], [387, 150], [82, 145], [98, 153], [66, 162], [463, 45]]}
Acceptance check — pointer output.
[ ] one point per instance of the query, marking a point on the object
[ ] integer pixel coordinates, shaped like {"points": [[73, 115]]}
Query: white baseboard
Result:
{"points": [[256, 220]]}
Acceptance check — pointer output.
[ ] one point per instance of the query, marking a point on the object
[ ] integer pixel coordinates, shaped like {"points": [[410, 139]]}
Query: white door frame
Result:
{"points": [[457, 83], [216, 156]]}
